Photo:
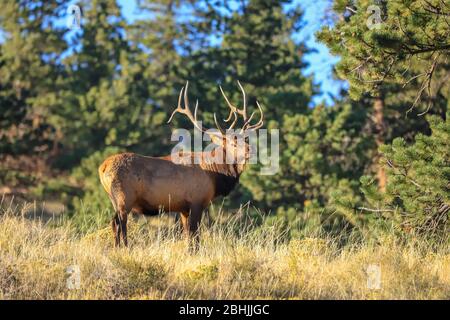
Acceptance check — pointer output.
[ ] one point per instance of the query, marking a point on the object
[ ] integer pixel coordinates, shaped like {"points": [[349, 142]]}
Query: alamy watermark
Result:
{"points": [[235, 147], [375, 12], [373, 273], [73, 21], [73, 280], [374, 21]]}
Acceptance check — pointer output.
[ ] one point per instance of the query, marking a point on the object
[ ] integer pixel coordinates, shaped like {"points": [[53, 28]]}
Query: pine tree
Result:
{"points": [[256, 48], [105, 101], [395, 51], [29, 52], [398, 42], [417, 198], [159, 40]]}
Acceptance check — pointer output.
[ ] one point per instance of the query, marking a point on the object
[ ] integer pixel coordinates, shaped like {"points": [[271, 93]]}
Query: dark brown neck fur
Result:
{"points": [[224, 183]]}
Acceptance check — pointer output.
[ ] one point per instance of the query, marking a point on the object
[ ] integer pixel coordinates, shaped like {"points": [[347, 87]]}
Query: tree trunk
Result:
{"points": [[380, 131]]}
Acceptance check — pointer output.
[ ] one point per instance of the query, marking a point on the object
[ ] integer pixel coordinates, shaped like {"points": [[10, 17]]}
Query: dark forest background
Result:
{"points": [[377, 160]]}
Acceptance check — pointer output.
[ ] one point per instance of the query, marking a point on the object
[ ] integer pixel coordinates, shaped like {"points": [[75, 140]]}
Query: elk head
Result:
{"points": [[233, 142]]}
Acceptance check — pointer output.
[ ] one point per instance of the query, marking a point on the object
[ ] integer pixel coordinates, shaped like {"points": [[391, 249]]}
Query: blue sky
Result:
{"points": [[321, 62]]}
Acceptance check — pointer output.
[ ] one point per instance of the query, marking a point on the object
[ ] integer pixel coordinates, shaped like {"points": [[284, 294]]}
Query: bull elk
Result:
{"points": [[148, 185]]}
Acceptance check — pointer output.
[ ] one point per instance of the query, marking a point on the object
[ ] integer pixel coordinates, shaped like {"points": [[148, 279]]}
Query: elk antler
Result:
{"points": [[259, 124], [243, 112], [186, 111], [234, 109]]}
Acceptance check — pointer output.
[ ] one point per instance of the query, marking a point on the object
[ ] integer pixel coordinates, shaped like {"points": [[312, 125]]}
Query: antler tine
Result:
{"points": [[195, 110], [230, 127], [244, 107], [178, 108], [186, 100], [218, 125], [186, 111], [233, 109], [234, 121], [259, 124]]}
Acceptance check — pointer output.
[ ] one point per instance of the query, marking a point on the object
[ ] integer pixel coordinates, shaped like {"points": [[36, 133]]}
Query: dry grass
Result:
{"points": [[34, 258]]}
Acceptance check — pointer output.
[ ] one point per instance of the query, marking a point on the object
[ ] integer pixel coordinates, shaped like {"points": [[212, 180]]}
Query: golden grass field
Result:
{"points": [[34, 258]]}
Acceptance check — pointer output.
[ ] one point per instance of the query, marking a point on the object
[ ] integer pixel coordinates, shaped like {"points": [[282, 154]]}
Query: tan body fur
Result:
{"points": [[150, 185]]}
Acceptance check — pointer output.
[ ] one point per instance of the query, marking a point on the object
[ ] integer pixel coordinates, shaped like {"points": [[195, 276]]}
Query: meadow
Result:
{"points": [[236, 261]]}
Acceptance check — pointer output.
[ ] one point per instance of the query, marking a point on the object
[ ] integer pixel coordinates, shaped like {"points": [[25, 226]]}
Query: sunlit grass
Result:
{"points": [[234, 262]]}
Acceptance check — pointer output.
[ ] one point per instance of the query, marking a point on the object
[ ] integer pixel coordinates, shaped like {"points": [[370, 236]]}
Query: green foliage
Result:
{"points": [[29, 50], [258, 49], [407, 47], [105, 95], [15, 177], [417, 197], [418, 193], [320, 151], [400, 62], [57, 189]]}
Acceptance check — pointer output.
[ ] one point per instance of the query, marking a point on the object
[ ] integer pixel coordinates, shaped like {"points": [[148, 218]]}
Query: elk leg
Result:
{"points": [[194, 224], [116, 230], [123, 228], [185, 223], [178, 225]]}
